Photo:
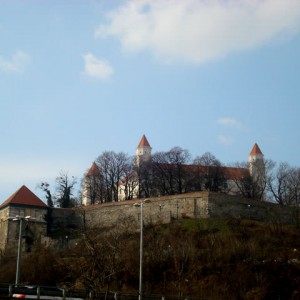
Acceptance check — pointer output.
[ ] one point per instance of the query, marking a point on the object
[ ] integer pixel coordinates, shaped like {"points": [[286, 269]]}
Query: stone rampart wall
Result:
{"points": [[64, 225], [165, 209], [222, 205], [158, 210], [63, 219]]}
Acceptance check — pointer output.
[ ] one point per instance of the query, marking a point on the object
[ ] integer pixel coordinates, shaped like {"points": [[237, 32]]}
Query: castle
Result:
{"points": [[162, 209], [129, 187]]}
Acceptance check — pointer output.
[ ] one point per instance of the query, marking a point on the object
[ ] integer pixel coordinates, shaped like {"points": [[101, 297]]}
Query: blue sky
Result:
{"points": [[81, 77]]}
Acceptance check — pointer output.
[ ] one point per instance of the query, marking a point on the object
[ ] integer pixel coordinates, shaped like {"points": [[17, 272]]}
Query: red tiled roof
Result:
{"points": [[144, 142], [255, 150], [93, 171], [229, 172], [235, 173], [24, 196]]}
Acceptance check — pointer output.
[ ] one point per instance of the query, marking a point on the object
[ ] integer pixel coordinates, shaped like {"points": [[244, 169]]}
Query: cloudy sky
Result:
{"points": [[81, 77]]}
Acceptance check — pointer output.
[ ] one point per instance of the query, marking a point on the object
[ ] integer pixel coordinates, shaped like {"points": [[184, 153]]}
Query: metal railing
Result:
{"points": [[7, 290]]}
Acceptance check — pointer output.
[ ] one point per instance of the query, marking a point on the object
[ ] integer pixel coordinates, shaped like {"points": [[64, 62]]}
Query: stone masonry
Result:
{"points": [[192, 205]]}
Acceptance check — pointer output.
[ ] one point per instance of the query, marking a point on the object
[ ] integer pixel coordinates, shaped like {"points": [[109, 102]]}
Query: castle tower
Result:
{"points": [[22, 203], [143, 151], [256, 160], [91, 185], [257, 166]]}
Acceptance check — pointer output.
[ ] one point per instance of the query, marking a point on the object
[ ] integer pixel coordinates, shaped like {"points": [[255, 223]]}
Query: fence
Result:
{"points": [[8, 290]]}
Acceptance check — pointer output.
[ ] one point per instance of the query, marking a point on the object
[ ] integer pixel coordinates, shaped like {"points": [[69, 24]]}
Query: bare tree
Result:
{"points": [[93, 185], [208, 160], [170, 171], [64, 188], [44, 186], [128, 182], [178, 158], [253, 186], [209, 173], [113, 167], [146, 180], [98, 261], [284, 185]]}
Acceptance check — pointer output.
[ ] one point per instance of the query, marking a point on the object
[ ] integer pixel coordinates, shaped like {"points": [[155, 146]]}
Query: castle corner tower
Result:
{"points": [[256, 159], [143, 151], [91, 186], [257, 166]]}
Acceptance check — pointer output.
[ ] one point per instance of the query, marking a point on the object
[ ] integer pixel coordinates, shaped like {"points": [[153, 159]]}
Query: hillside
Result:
{"points": [[211, 259]]}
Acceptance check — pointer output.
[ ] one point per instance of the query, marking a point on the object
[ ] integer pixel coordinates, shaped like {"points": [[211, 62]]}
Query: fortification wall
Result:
{"points": [[157, 210], [64, 219], [64, 225], [222, 205], [163, 210]]}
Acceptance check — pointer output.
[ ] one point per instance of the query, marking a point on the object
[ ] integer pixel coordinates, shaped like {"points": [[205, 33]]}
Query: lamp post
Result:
{"points": [[141, 204], [19, 257]]}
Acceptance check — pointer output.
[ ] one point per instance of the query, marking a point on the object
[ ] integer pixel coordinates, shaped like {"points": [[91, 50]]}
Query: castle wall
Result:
{"points": [[65, 224], [64, 219], [222, 205], [192, 205], [158, 210], [4, 213]]}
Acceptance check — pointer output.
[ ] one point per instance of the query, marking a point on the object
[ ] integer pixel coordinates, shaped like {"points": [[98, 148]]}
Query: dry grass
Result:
{"points": [[213, 259]]}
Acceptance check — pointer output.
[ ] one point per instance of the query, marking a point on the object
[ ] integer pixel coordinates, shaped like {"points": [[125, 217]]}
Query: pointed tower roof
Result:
{"points": [[94, 170], [144, 142], [255, 150], [23, 196]]}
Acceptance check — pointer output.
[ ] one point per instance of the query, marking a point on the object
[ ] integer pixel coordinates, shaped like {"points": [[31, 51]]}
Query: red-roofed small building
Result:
{"points": [[22, 203]]}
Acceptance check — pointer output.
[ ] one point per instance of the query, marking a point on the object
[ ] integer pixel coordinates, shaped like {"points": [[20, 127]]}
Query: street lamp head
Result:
{"points": [[138, 204]]}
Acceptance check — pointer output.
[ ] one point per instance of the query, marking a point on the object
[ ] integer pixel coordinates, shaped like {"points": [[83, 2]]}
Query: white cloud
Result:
{"points": [[200, 30], [17, 63], [97, 68], [229, 122], [225, 139]]}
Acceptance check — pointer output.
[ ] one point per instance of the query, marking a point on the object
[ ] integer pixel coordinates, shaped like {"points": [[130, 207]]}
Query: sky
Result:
{"points": [[81, 77]]}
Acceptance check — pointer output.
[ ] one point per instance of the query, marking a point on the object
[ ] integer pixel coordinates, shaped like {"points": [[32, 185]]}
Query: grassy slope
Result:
{"points": [[211, 258], [230, 259]]}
